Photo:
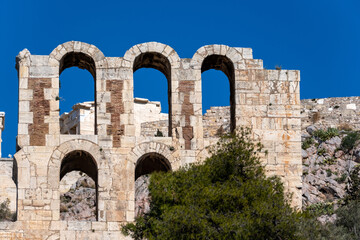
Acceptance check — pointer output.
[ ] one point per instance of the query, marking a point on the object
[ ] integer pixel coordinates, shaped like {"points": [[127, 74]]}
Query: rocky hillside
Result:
{"points": [[142, 198], [330, 147], [79, 203], [329, 155]]}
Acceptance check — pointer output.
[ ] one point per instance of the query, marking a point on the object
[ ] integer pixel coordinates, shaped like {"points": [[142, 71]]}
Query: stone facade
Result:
{"points": [[115, 155]]}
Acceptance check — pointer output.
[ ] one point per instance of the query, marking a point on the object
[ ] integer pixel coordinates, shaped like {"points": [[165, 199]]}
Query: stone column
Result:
{"points": [[2, 125]]}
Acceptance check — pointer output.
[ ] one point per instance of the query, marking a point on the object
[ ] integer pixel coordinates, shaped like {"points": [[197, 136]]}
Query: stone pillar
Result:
{"points": [[2, 125]]}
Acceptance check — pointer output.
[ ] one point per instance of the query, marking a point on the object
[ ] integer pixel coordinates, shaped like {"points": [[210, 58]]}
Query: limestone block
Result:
{"points": [[113, 226], [114, 62], [39, 60], [23, 83], [79, 225], [25, 94], [55, 225], [23, 73], [144, 47], [98, 226], [247, 53], [115, 74], [130, 216], [44, 72], [234, 54], [50, 94]]}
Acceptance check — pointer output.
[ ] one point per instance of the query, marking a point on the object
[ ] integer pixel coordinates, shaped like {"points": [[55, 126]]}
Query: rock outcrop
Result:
{"points": [[79, 203], [142, 198], [327, 160]]}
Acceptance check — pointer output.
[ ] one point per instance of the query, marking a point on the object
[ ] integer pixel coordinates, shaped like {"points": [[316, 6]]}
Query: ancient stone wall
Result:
{"points": [[331, 112], [155, 128], [7, 183], [266, 100]]}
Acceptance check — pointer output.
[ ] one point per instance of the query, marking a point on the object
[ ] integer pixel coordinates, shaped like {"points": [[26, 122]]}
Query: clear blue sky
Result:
{"points": [[320, 38]]}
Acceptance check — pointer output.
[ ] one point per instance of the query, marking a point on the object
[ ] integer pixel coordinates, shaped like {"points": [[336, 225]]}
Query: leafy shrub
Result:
{"points": [[307, 143], [348, 218], [321, 151], [342, 178], [353, 187], [320, 208], [326, 135], [330, 161], [309, 228], [349, 141], [227, 197]]}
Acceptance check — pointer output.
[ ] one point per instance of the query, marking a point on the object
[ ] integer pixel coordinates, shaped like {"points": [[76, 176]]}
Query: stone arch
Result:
{"points": [[151, 162], [76, 47], [225, 59], [81, 55], [233, 54], [162, 149], [80, 160], [160, 57], [156, 47], [65, 148], [100, 161]]}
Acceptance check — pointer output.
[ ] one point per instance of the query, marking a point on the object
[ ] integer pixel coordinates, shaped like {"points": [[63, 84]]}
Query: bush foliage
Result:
{"points": [[326, 135], [350, 140], [226, 197]]}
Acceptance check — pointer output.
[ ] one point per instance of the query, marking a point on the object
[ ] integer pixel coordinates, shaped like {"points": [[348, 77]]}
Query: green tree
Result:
{"points": [[353, 186], [226, 197]]}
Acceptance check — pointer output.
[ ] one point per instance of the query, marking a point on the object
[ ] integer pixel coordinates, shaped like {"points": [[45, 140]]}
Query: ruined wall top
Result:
{"points": [[238, 56]]}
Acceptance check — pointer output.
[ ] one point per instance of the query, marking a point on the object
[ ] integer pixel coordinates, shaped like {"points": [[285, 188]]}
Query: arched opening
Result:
{"points": [[225, 116], [152, 118], [147, 164], [78, 187], [77, 94], [151, 162]]}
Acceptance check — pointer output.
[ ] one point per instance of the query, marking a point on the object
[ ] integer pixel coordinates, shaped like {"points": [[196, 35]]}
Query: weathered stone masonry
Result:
{"points": [[265, 100]]}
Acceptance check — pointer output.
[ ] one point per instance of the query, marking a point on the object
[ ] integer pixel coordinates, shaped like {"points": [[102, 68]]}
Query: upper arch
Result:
{"points": [[233, 54], [77, 47], [153, 47]]}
